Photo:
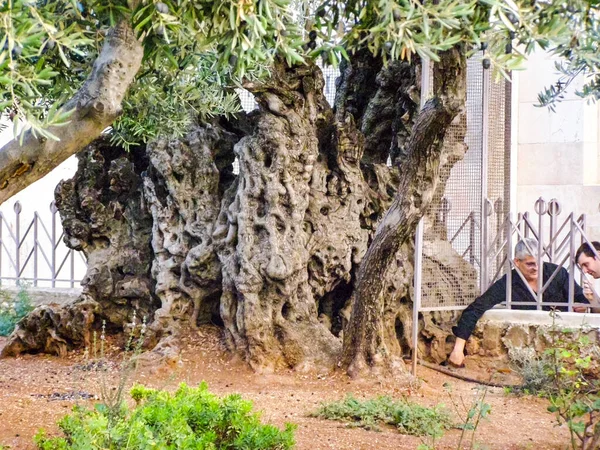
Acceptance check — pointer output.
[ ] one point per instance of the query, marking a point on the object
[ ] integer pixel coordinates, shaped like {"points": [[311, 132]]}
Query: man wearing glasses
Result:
{"points": [[526, 261]]}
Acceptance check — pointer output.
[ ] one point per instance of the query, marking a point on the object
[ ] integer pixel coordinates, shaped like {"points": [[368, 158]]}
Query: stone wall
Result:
{"points": [[499, 330], [45, 296]]}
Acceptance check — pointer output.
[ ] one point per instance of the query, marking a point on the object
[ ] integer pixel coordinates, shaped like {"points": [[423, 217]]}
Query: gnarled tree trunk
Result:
{"points": [[103, 216], [274, 252], [367, 345]]}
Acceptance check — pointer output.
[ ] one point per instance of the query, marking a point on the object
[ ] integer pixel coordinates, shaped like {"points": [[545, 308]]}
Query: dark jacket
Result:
{"points": [[557, 291]]}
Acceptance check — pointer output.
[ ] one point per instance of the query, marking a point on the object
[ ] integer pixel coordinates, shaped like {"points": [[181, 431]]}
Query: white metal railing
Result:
{"points": [[556, 243], [33, 251]]}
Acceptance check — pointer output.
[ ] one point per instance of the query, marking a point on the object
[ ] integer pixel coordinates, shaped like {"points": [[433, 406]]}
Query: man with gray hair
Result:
{"points": [[526, 262]]}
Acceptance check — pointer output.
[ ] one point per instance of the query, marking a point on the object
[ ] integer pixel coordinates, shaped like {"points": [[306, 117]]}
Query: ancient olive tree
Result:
{"points": [[304, 256]]}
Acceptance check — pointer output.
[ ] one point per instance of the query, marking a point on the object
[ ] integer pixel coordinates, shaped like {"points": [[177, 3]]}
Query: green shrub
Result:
{"points": [[534, 369], [574, 397], [191, 418], [408, 417], [13, 309]]}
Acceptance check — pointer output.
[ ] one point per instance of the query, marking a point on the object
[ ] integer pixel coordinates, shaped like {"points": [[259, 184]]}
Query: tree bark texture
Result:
{"points": [[183, 189], [367, 342], [281, 239], [95, 106], [272, 254], [103, 215]]}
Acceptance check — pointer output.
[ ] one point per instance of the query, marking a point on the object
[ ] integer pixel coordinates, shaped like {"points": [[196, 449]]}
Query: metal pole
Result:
{"points": [[485, 136], [17, 209], [572, 262], [553, 211], [581, 241], [425, 68], [417, 291], [53, 254], [35, 249], [509, 256], [472, 238], [540, 209], [72, 261], [499, 210], [486, 211]]}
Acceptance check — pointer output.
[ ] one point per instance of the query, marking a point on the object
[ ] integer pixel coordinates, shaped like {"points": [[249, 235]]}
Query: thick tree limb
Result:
{"points": [[97, 104], [365, 345]]}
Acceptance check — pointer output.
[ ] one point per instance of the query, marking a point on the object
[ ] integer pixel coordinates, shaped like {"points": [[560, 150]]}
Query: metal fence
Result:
{"points": [[557, 243], [32, 250]]}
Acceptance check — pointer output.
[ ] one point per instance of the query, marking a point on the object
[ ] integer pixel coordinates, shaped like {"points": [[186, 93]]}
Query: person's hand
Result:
{"points": [[580, 309], [589, 293], [457, 357], [587, 290]]}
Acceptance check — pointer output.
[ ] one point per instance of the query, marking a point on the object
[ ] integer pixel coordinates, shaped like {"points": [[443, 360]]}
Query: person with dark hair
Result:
{"points": [[526, 262], [587, 259], [590, 265]]}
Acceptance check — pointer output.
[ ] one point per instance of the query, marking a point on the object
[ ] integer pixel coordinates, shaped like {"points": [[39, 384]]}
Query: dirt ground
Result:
{"points": [[36, 390]]}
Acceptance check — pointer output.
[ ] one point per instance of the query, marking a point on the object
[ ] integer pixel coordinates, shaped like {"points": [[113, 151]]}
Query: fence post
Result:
{"points": [[72, 261], [540, 209], [425, 89], [499, 210], [485, 224], [53, 211], [35, 248], [581, 241], [472, 238], [485, 136], [554, 211], [17, 208], [509, 250], [572, 251]]}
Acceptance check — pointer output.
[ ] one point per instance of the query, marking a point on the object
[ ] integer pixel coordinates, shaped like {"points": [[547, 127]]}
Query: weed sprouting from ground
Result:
{"points": [[470, 413], [409, 418], [567, 375], [575, 385], [533, 369]]}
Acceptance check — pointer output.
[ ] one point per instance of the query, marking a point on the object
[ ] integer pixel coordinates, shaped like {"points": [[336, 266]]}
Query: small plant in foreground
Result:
{"points": [[533, 369], [469, 414], [191, 418], [408, 417], [575, 387], [13, 309]]}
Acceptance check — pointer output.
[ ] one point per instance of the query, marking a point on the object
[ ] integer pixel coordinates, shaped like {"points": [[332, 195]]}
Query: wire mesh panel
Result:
{"points": [[455, 241], [498, 170]]}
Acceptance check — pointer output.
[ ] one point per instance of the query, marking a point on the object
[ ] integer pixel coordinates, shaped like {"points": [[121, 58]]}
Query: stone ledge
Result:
{"points": [[44, 296], [563, 319]]}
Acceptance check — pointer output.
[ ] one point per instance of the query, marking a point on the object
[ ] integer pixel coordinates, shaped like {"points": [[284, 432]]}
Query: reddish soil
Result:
{"points": [[36, 390]]}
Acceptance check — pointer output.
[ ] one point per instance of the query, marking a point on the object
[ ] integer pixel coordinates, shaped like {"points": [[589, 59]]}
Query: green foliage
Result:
{"points": [[191, 418], [575, 387], [13, 309], [470, 414], [409, 418], [533, 369], [197, 52]]}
